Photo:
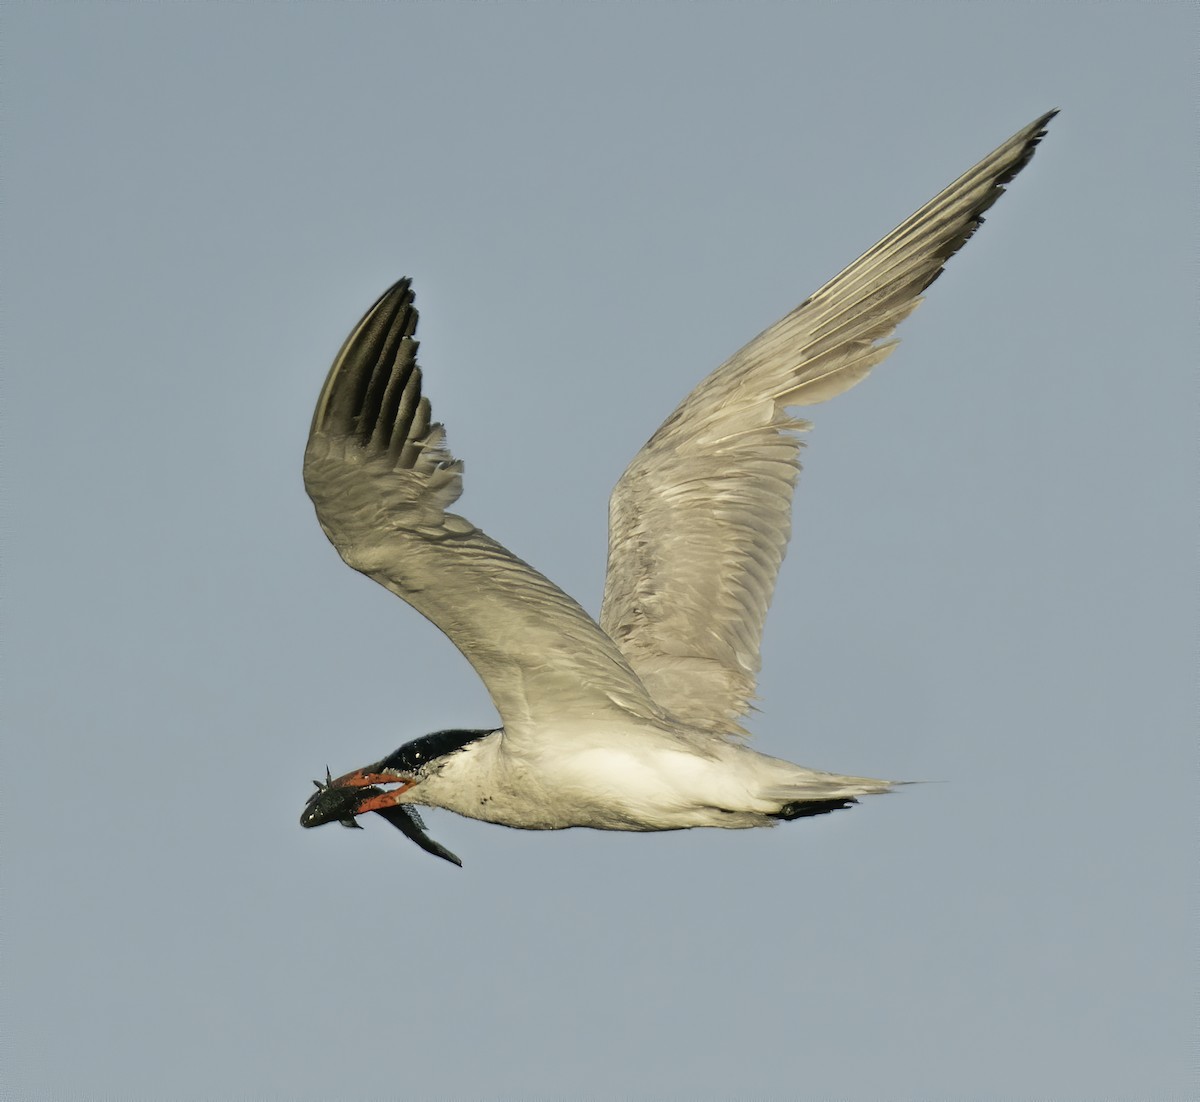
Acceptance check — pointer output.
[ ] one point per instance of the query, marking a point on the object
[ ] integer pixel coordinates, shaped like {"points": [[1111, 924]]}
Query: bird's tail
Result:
{"points": [[809, 792]]}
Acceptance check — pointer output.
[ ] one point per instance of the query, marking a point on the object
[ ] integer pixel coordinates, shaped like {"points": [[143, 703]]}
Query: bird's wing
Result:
{"points": [[699, 522], [379, 472]]}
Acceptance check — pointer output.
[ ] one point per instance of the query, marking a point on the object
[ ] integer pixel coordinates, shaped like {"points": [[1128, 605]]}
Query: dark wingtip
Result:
{"points": [[382, 344], [1034, 133], [1028, 137]]}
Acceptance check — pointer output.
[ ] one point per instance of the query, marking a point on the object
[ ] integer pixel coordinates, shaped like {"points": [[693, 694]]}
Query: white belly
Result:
{"points": [[624, 780], [625, 783]]}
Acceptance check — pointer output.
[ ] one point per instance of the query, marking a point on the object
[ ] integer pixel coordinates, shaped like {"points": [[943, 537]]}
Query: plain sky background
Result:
{"points": [[991, 583]]}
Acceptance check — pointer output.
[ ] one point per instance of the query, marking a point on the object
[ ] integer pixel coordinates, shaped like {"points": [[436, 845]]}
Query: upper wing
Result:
{"points": [[699, 522], [381, 477]]}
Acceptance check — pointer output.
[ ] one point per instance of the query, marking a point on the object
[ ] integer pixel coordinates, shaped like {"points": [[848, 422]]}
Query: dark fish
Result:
{"points": [[406, 820], [330, 804]]}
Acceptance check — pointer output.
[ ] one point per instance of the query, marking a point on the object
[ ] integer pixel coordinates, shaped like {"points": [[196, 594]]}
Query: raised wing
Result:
{"points": [[379, 472], [699, 522]]}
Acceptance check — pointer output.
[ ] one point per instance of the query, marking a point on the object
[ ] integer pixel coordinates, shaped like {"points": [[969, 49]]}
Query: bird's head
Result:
{"points": [[384, 787]]}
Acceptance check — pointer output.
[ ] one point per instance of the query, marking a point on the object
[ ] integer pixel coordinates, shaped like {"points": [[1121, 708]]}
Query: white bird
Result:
{"points": [[630, 723]]}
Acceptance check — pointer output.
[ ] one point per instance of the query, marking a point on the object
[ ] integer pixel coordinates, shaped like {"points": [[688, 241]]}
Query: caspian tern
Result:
{"points": [[630, 723]]}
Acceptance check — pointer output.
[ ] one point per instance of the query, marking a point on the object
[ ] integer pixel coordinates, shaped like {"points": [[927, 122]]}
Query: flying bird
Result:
{"points": [[630, 722]]}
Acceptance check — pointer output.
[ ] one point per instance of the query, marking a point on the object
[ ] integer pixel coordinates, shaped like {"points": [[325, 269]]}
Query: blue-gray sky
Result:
{"points": [[991, 582]]}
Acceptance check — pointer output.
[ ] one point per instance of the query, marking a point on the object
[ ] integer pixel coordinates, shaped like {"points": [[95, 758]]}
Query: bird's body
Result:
{"points": [[626, 775], [630, 722]]}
